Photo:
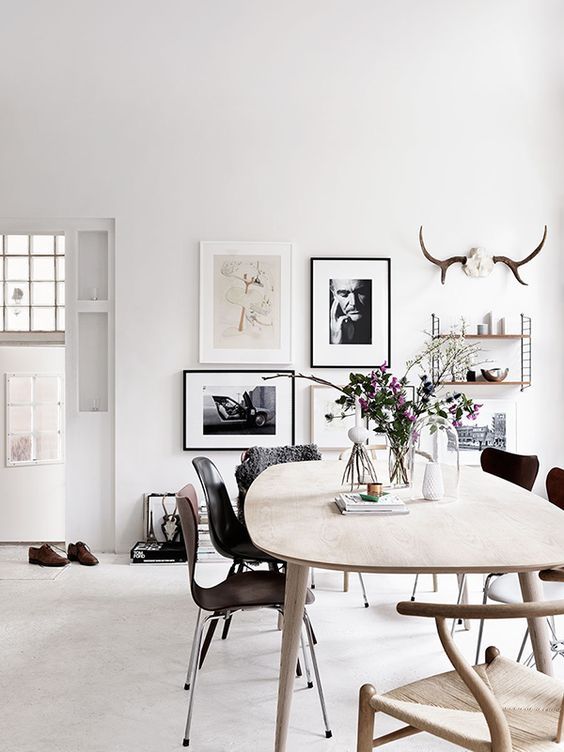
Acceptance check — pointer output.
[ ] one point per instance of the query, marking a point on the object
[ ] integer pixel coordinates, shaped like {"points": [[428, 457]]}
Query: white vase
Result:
{"points": [[433, 486]]}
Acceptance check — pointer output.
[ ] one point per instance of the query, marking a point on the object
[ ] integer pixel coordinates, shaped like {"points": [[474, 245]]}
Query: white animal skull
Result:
{"points": [[479, 263]]}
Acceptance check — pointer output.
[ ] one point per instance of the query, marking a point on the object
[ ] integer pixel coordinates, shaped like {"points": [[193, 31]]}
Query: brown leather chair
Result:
{"points": [[243, 591], [555, 487], [521, 469]]}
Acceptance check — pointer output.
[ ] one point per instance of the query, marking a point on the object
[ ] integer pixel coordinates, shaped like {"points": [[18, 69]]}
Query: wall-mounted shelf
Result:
{"points": [[524, 338], [491, 336], [486, 383]]}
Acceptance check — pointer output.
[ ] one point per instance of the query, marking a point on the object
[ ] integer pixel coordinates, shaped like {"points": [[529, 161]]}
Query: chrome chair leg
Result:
{"points": [[193, 650], [360, 577], [328, 732], [306, 661], [414, 588], [522, 648], [312, 585], [192, 682], [461, 586]]}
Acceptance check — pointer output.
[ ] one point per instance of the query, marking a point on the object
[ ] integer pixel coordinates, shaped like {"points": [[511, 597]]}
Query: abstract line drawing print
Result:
{"points": [[247, 302]]}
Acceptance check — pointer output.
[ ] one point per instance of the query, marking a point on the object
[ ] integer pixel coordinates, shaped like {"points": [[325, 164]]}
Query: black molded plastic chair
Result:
{"points": [[243, 591], [229, 537], [522, 470], [555, 487]]}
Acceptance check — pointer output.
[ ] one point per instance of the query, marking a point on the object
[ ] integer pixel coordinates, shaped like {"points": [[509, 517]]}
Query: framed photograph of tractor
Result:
{"points": [[237, 409]]}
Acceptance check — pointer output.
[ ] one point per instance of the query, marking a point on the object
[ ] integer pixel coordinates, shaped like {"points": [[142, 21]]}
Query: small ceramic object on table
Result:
{"points": [[482, 329], [433, 484]]}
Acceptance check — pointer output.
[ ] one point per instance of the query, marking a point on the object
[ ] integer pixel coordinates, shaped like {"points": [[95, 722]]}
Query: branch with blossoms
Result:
{"points": [[387, 401]]}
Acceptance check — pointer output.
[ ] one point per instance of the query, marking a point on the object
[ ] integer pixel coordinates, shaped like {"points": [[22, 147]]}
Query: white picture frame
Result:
{"points": [[327, 435], [245, 302], [475, 436]]}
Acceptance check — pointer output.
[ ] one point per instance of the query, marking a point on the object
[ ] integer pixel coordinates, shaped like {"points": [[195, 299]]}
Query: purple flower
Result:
{"points": [[383, 367], [410, 416], [401, 400], [363, 403], [457, 423]]}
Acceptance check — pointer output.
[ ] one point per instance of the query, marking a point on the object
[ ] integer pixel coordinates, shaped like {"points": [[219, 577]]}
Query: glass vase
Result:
{"points": [[400, 464]]}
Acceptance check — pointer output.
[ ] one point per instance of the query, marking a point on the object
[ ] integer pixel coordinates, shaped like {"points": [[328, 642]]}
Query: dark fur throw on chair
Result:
{"points": [[257, 459]]}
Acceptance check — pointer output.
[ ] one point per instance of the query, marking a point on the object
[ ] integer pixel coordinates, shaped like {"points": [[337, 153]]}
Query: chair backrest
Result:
{"points": [[520, 469], [555, 487], [187, 502], [256, 460], [225, 529]]}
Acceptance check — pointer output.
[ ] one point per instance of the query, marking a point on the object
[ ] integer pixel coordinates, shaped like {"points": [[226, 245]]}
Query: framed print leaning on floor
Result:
{"points": [[350, 312], [245, 302], [237, 409]]}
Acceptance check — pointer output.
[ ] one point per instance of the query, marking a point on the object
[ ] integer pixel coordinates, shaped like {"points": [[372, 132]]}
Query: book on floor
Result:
{"points": [[354, 503]]}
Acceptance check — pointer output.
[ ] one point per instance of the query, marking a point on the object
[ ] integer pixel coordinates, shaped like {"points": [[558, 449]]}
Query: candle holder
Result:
{"points": [[359, 469]]}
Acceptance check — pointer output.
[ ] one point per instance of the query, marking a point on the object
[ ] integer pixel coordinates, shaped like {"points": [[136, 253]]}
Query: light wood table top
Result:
{"points": [[494, 526]]}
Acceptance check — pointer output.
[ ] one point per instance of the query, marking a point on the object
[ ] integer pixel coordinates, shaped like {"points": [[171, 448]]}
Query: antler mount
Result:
{"points": [[481, 262]]}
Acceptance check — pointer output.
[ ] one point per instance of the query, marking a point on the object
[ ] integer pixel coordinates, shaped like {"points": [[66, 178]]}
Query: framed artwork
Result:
{"points": [[245, 302], [495, 426], [328, 434], [350, 312], [237, 409]]}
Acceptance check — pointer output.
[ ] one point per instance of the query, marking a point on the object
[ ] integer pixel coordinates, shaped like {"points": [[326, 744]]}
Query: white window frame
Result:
{"points": [[61, 419], [31, 337]]}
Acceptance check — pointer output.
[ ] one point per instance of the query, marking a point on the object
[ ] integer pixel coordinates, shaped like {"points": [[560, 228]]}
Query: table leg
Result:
{"points": [[296, 587], [531, 588]]}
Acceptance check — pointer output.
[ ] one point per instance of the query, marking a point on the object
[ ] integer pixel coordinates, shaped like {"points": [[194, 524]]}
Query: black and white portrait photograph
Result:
{"points": [[237, 409], [350, 312]]}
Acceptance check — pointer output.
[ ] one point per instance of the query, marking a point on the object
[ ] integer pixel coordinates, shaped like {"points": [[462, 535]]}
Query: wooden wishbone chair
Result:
{"points": [[497, 706]]}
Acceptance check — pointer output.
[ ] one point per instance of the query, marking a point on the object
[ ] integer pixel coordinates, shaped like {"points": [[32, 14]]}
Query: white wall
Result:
{"points": [[32, 498], [339, 125]]}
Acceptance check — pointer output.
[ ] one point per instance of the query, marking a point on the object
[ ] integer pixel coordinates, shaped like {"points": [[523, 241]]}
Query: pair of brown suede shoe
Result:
{"points": [[47, 557]]}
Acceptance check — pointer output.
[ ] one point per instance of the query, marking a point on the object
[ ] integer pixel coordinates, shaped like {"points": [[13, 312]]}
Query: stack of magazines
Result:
{"points": [[356, 503]]}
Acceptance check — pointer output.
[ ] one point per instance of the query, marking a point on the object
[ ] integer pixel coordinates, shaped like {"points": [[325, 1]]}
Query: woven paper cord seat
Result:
{"points": [[445, 707]]}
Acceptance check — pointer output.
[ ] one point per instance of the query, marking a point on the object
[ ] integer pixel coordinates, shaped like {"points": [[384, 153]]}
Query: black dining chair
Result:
{"points": [[242, 591], [522, 470], [228, 535]]}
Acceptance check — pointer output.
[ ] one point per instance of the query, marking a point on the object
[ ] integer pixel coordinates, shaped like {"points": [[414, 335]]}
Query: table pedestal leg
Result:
{"points": [[531, 588], [296, 587]]}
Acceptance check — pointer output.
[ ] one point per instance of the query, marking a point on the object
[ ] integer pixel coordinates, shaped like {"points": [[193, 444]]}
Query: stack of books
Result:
{"points": [[360, 503], [206, 551]]}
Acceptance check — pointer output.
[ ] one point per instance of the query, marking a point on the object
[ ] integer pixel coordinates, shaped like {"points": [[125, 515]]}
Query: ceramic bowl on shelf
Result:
{"points": [[495, 374]]}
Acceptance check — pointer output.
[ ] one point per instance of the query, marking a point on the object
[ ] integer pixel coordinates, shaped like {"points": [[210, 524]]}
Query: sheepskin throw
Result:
{"points": [[258, 459]]}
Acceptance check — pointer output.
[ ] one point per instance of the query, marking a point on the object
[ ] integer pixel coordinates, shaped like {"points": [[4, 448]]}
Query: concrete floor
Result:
{"points": [[94, 661]]}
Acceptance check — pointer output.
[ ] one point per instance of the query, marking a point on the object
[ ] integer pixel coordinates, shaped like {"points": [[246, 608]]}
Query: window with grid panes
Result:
{"points": [[34, 419], [33, 283]]}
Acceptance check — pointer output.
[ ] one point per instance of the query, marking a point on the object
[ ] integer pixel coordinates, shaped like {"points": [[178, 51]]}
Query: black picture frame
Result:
{"points": [[205, 446], [369, 362]]}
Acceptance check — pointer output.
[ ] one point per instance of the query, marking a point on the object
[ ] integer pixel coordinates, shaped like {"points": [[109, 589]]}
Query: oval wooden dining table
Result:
{"points": [[493, 526]]}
